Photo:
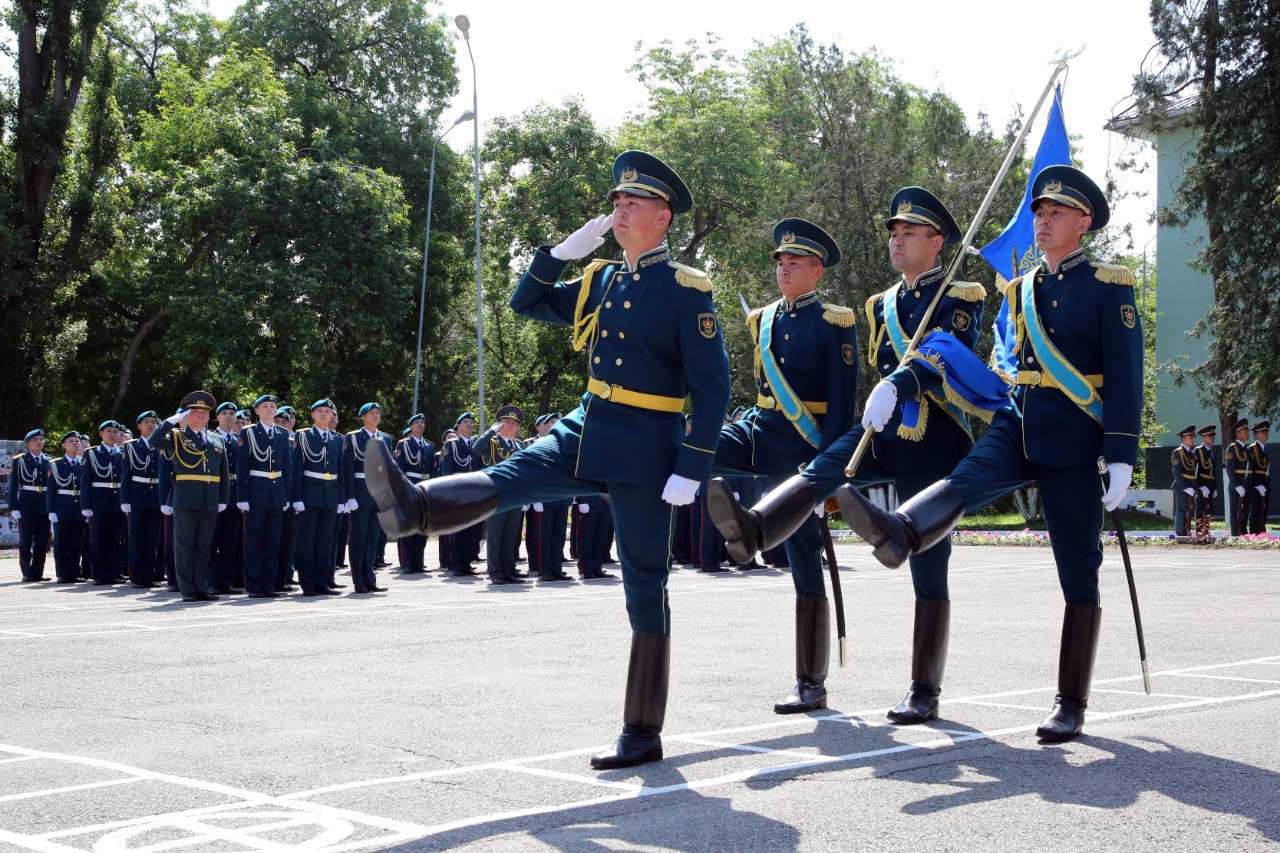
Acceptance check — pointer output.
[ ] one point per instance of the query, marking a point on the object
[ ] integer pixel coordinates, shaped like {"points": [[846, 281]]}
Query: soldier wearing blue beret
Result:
{"points": [[365, 531], [317, 489], [201, 489], [28, 505], [456, 457], [652, 338], [417, 459], [914, 442], [502, 529], [286, 419], [140, 501], [1184, 482], [226, 564], [1257, 494], [100, 503], [62, 500], [264, 461], [1075, 351]]}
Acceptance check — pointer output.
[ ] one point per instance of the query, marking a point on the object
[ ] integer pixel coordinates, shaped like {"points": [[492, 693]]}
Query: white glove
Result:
{"points": [[173, 419], [221, 507], [341, 509], [1240, 491], [1121, 475], [880, 405], [53, 518], [351, 505], [524, 508], [16, 515], [679, 491], [166, 510], [585, 240], [126, 508], [584, 508], [87, 513], [243, 506], [1191, 492], [1262, 490], [299, 506], [537, 507], [1204, 490], [737, 497]]}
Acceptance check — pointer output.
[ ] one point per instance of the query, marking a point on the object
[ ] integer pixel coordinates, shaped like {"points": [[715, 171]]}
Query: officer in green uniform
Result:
{"points": [[1235, 460], [1206, 480], [652, 336], [1185, 482], [1259, 491], [201, 489], [927, 435], [1076, 346], [28, 505]]}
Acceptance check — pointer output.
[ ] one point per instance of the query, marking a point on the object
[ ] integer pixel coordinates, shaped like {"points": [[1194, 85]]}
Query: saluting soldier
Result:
{"points": [[1235, 461], [63, 504], [502, 529], [365, 530], [226, 566], [28, 505], [1206, 480], [1258, 493], [263, 462], [464, 544], [417, 459], [201, 489], [100, 503], [653, 338], [1185, 482], [317, 489], [1076, 346], [140, 501], [915, 442]]}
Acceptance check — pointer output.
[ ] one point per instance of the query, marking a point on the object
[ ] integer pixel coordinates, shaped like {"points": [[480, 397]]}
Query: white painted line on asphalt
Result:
{"points": [[1232, 678], [740, 747], [1144, 693], [570, 777], [1010, 705], [19, 758], [50, 791]]}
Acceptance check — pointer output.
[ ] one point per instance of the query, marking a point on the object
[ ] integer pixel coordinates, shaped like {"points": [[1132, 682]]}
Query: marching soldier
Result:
{"points": [[1258, 493], [653, 338], [364, 510], [317, 489], [502, 529], [140, 501], [1076, 409], [464, 544], [28, 505], [1235, 460], [63, 504], [226, 566], [1206, 481], [1185, 482], [926, 435], [100, 503], [263, 463], [417, 459], [201, 489]]}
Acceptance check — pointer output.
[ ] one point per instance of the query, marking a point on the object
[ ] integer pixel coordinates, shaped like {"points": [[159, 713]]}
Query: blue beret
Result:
{"points": [[35, 433], [285, 412], [265, 398], [406, 433], [244, 413], [918, 205], [323, 401], [147, 414], [445, 436], [418, 416], [638, 173], [1069, 186], [224, 407], [801, 237], [72, 434], [367, 407], [462, 417], [108, 425]]}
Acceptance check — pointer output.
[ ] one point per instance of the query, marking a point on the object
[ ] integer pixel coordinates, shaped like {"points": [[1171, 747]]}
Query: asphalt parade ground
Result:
{"points": [[449, 713]]}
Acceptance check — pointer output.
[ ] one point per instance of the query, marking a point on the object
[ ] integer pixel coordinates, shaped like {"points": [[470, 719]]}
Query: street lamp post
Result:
{"points": [[464, 25], [426, 251]]}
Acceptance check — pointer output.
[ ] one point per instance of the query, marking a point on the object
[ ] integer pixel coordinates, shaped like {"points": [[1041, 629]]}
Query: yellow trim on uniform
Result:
{"points": [[814, 407], [637, 399], [1044, 380], [695, 447], [201, 478]]}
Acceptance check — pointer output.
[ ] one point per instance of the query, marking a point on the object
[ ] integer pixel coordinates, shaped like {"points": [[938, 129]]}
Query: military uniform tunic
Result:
{"points": [[28, 486], [1184, 473], [1257, 504], [139, 488], [201, 484], [63, 500], [100, 493], [365, 530], [263, 464], [416, 457], [1235, 461]]}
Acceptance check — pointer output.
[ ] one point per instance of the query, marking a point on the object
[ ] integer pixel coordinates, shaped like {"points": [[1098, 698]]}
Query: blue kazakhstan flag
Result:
{"points": [[1014, 251]]}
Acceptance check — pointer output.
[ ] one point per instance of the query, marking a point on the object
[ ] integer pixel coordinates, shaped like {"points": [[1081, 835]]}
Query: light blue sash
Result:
{"points": [[912, 426], [790, 405], [1070, 381]]}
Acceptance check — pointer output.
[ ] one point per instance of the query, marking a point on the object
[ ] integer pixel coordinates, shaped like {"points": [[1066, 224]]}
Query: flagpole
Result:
{"points": [[1060, 65]]}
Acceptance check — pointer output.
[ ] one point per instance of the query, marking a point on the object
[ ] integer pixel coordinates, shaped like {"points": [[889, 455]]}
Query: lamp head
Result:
{"points": [[469, 115], [463, 23]]}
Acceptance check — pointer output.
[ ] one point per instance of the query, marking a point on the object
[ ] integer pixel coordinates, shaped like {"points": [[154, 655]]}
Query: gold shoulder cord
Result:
{"points": [[180, 440]]}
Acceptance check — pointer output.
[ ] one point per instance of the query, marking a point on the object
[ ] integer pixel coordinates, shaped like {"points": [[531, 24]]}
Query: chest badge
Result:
{"points": [[846, 352], [1128, 316], [707, 325]]}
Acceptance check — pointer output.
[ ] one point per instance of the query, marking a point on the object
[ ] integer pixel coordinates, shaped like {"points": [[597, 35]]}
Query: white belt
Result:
{"points": [[414, 474], [33, 488], [67, 491], [98, 485], [150, 481], [360, 475], [320, 475], [270, 475]]}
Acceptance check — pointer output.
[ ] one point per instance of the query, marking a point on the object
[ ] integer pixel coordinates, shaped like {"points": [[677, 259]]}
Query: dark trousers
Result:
{"points": [[413, 553], [442, 549], [313, 551], [261, 549], [170, 574], [68, 542], [1183, 513], [595, 528], [192, 543], [1256, 509], [33, 544], [1237, 511], [363, 546], [86, 550], [680, 550], [145, 530], [342, 531], [464, 545], [709, 547], [380, 549], [502, 537], [105, 529], [550, 538], [228, 553], [284, 557]]}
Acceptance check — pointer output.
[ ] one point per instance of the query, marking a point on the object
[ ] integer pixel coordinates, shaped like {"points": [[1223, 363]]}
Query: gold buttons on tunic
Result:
{"points": [[1055, 303], [1059, 276], [597, 359], [608, 305], [917, 294], [1051, 331], [885, 366], [786, 337], [782, 361], [618, 362], [622, 334], [635, 277], [793, 313], [1031, 359], [626, 304], [604, 333]]}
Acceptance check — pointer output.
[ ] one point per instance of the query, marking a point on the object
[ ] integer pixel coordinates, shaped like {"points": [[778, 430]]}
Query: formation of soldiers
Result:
{"points": [[1195, 480]]}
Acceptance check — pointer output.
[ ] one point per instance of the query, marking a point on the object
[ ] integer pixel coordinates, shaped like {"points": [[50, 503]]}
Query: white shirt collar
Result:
{"points": [[373, 434]]}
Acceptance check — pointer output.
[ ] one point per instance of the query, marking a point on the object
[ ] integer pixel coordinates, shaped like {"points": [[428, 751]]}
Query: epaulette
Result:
{"points": [[1003, 286], [837, 315], [970, 291], [753, 319], [871, 306], [689, 277], [1113, 273]]}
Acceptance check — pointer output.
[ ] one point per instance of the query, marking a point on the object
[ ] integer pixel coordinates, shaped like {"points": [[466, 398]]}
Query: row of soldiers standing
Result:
{"points": [[1195, 480]]}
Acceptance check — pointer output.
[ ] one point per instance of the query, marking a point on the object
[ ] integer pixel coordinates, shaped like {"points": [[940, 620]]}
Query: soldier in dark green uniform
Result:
{"points": [[1206, 480], [502, 529], [1235, 461], [201, 489], [1075, 344], [1258, 493], [1184, 483]]}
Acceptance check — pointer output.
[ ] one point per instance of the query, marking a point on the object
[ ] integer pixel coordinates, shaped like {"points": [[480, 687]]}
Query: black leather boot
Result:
{"points": [[444, 505], [1080, 626], [646, 704], [928, 659], [915, 526], [766, 525], [813, 654]]}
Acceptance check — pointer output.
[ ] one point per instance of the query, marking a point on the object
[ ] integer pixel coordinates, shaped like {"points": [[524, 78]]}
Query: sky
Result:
{"points": [[989, 56]]}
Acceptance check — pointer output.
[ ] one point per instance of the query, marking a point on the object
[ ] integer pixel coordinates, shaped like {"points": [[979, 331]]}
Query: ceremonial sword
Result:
{"points": [[1128, 572]]}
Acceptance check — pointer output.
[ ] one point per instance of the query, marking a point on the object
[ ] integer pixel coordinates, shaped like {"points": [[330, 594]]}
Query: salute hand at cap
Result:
{"points": [[585, 240], [1119, 475], [880, 404], [679, 491], [173, 419]]}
